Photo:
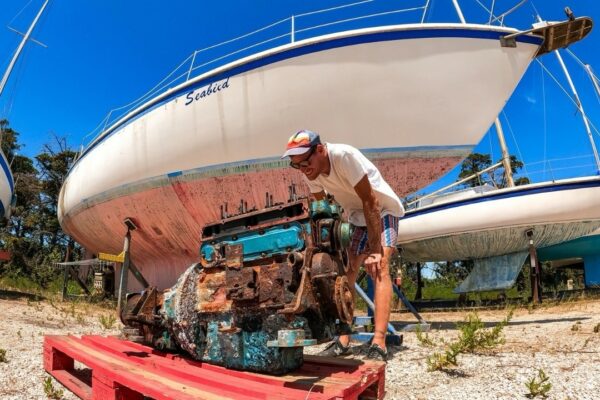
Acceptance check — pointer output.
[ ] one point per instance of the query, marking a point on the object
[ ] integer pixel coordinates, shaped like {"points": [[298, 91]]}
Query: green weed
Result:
{"points": [[472, 337], [50, 391], [107, 321], [538, 386], [80, 319], [442, 361], [423, 338]]}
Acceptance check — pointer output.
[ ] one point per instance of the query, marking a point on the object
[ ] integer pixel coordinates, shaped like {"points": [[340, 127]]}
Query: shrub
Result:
{"points": [[50, 391], [423, 338], [3, 356], [440, 362], [107, 321], [538, 386], [472, 337]]}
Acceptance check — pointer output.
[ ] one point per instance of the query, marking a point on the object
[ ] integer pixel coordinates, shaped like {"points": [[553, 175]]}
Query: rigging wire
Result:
{"points": [[594, 129], [569, 96], [102, 126], [512, 134], [19, 13], [334, 8], [545, 117], [491, 12], [588, 69], [425, 8], [500, 18], [359, 18]]}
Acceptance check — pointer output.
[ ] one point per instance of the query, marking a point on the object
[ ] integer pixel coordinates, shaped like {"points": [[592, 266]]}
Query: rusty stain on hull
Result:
{"points": [[171, 215]]}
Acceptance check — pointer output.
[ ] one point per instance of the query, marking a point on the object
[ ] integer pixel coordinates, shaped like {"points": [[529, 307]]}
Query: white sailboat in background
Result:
{"points": [[7, 184], [175, 163], [498, 227]]}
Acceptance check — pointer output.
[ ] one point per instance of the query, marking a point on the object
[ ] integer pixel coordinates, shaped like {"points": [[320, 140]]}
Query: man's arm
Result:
{"points": [[373, 218]]}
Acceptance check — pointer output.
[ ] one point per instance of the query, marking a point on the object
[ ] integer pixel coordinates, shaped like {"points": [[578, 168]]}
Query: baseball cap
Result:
{"points": [[301, 142]]}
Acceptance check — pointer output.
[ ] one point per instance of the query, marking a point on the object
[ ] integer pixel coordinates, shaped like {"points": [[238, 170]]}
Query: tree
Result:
{"points": [[34, 235], [53, 164], [476, 162], [454, 271]]}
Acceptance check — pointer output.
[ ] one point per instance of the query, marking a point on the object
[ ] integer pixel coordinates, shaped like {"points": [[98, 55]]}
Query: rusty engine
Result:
{"points": [[268, 283]]}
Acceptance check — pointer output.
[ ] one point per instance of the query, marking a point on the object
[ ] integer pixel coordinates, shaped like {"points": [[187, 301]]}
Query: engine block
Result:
{"points": [[268, 283]]}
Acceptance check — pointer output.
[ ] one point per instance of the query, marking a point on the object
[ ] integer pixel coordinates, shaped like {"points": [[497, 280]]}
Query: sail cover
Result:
{"points": [[493, 273]]}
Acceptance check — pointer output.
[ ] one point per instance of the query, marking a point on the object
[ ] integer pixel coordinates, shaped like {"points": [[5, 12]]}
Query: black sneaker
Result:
{"points": [[376, 353], [336, 349]]}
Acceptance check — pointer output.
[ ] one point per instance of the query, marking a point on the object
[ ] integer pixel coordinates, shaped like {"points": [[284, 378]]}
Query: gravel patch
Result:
{"points": [[558, 339], [542, 338], [23, 325]]}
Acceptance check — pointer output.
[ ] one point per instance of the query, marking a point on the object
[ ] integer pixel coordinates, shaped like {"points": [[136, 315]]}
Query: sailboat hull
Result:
{"points": [[7, 187], [495, 223], [414, 98]]}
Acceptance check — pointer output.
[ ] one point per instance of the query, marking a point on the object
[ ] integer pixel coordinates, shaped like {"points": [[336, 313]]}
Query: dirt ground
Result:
{"points": [[556, 338]]}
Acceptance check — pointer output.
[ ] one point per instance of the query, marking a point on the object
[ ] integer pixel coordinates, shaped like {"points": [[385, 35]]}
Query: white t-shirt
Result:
{"points": [[348, 167]]}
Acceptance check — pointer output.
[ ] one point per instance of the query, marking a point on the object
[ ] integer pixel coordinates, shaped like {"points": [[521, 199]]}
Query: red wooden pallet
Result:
{"points": [[122, 370]]}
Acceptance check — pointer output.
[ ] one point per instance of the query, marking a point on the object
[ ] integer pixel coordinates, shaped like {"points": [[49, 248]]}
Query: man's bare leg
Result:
{"points": [[383, 297]]}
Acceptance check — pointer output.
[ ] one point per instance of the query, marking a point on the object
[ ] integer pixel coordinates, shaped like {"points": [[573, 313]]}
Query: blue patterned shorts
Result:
{"points": [[389, 235]]}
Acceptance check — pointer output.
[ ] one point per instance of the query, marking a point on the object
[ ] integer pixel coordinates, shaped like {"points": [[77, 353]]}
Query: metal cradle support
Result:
{"points": [[536, 294], [127, 266], [69, 272], [393, 337]]}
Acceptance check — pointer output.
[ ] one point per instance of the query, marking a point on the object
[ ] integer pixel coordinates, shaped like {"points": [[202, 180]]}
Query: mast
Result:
{"points": [[593, 78], [505, 156], [459, 11], [20, 48]]}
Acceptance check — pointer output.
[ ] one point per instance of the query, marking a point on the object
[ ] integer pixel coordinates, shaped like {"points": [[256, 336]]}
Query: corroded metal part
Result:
{"points": [[344, 300], [291, 338], [249, 304]]}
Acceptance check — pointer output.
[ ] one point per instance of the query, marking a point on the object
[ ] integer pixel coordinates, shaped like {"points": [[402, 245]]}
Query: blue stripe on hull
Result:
{"points": [[9, 175], [498, 196]]}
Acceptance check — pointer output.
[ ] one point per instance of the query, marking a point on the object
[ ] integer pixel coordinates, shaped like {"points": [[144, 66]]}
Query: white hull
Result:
{"points": [[416, 98], [7, 187], [494, 223]]}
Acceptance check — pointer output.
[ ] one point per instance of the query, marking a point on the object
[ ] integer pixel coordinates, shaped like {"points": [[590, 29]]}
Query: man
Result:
{"points": [[372, 208]]}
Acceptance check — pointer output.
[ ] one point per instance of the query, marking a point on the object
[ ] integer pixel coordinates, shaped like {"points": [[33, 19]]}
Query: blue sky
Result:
{"points": [[104, 54]]}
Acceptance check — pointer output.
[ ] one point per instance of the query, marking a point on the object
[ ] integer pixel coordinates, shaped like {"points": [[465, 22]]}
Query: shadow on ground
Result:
{"points": [[16, 295], [451, 325]]}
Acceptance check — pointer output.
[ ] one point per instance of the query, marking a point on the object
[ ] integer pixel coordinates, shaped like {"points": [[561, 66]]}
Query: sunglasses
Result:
{"points": [[306, 162]]}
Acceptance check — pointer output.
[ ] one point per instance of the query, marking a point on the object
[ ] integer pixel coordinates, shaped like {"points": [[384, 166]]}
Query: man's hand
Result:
{"points": [[373, 264]]}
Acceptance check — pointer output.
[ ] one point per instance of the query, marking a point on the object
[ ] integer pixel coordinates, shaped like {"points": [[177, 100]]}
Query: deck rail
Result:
{"points": [[281, 32], [296, 27]]}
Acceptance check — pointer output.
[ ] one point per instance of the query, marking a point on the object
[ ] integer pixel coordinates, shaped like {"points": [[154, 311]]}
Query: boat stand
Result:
{"points": [[70, 272], [393, 337], [536, 293], [126, 266]]}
